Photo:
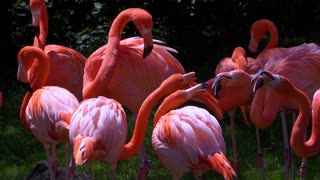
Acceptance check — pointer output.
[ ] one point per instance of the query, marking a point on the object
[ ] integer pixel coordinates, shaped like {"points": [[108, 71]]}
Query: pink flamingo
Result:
{"points": [[129, 70], [238, 60], [66, 64], [274, 86], [48, 109], [175, 129], [98, 126]]}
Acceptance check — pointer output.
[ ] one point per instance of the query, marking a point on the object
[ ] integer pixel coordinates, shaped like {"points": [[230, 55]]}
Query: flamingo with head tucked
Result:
{"points": [[48, 108], [129, 70], [189, 139]]}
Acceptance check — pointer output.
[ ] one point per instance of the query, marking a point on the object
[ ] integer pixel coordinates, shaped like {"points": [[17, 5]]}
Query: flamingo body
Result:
{"points": [[48, 112], [173, 133], [189, 139], [98, 131]]}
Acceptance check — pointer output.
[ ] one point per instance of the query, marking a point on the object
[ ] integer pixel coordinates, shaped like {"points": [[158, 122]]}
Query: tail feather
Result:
{"points": [[83, 150], [220, 164]]}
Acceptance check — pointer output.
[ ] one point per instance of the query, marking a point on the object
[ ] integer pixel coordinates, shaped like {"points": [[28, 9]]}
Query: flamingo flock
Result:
{"points": [[80, 101]]}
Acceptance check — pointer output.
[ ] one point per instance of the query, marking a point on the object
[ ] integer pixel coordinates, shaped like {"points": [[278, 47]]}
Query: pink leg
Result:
{"points": [[66, 159], [234, 142], [260, 158], [72, 167], [54, 160], [286, 151], [51, 171], [144, 164], [143, 161]]}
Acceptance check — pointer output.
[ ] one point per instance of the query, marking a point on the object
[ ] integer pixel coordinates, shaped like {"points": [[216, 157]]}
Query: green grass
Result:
{"points": [[20, 151]]}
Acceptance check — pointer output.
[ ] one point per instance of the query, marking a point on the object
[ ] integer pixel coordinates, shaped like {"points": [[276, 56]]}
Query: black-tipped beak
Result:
{"points": [[253, 79], [204, 85], [147, 50], [216, 86], [216, 89], [26, 86], [258, 84], [36, 30], [261, 72]]}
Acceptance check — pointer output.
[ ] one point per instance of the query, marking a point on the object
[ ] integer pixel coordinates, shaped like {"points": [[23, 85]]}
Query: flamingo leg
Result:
{"points": [[234, 142], [293, 156], [51, 172], [66, 159], [143, 160], [260, 158], [303, 167], [144, 163], [286, 151], [72, 167]]}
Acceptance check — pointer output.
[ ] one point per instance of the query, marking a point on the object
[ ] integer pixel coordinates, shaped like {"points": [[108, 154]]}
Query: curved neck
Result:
{"points": [[312, 146], [171, 102], [36, 63], [111, 53], [143, 116], [41, 40], [274, 36], [23, 110]]}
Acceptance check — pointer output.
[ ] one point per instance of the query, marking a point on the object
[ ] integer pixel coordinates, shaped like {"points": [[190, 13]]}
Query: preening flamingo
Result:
{"points": [[66, 64], [272, 84], [98, 126], [129, 70], [189, 139], [49, 108]]}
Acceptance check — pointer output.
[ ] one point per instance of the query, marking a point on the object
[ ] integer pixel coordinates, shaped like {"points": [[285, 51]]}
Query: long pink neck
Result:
{"points": [[312, 146], [43, 25], [110, 52], [274, 36], [142, 120]]}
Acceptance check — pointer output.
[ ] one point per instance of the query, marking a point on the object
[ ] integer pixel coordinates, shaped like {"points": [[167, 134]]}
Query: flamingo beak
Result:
{"points": [[216, 86], [147, 50]]}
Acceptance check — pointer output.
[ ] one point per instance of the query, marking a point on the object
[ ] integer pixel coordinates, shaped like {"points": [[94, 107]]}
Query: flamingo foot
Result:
{"points": [[236, 166], [303, 172], [143, 170]]}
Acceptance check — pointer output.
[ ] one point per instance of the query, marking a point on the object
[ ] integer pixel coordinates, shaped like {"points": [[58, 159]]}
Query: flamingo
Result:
{"points": [[129, 70], [66, 64], [239, 60], [283, 61], [175, 129], [272, 84], [295, 59], [98, 127], [49, 108]]}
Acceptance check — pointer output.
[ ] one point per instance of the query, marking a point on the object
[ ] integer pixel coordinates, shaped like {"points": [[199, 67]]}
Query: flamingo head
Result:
{"points": [[144, 24], [35, 6]]}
